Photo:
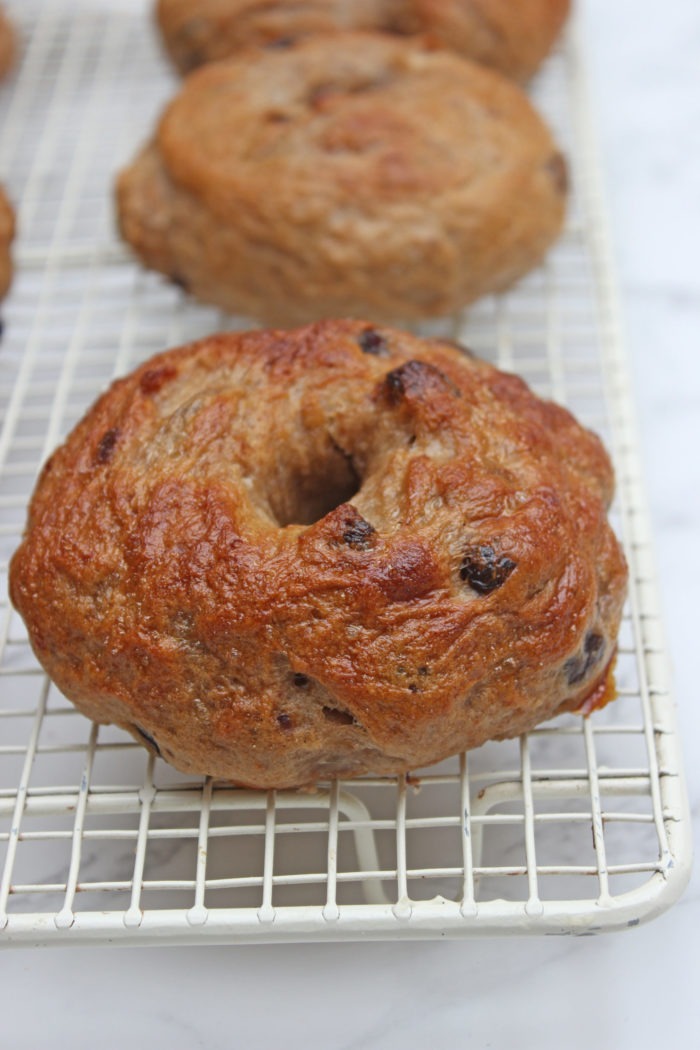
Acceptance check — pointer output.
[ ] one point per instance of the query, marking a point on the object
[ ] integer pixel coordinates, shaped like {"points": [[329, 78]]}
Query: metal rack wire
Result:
{"points": [[580, 826]]}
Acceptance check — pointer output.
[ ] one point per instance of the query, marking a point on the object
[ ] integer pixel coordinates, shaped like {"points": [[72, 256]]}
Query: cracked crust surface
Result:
{"points": [[277, 557], [363, 177], [512, 36]]}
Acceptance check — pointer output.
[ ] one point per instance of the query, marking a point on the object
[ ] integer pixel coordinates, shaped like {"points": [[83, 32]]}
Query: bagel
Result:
{"points": [[278, 557], [513, 36], [361, 175]]}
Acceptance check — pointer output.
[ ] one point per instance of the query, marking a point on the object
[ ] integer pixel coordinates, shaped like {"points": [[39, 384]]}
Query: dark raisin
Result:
{"points": [[371, 342], [483, 570], [559, 172], [413, 688], [300, 680], [284, 721], [339, 717], [105, 449], [155, 378], [593, 644], [359, 534], [148, 738], [280, 43], [577, 668], [573, 669], [396, 384], [423, 670], [416, 379]]}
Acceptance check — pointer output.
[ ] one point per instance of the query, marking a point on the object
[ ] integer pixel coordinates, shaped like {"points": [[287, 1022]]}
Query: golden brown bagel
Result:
{"points": [[513, 36], [364, 176], [278, 557]]}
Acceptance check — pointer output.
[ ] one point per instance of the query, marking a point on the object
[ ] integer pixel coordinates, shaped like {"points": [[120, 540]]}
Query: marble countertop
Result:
{"points": [[632, 990]]}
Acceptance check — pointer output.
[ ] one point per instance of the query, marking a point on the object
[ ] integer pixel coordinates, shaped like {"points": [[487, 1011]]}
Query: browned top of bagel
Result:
{"points": [[512, 36], [280, 556], [354, 175]]}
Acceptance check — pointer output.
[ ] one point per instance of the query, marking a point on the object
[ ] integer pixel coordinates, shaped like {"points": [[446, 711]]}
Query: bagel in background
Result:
{"points": [[279, 557], [512, 36], [354, 175]]}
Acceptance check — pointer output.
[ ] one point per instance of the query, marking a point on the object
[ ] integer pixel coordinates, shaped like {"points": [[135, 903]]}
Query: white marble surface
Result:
{"points": [[631, 990]]}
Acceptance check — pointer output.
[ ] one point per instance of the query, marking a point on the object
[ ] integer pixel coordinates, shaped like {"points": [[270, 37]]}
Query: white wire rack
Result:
{"points": [[577, 827]]}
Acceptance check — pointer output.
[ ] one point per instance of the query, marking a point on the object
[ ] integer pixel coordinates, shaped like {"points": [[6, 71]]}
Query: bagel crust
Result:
{"points": [[358, 175], [513, 36], [279, 557]]}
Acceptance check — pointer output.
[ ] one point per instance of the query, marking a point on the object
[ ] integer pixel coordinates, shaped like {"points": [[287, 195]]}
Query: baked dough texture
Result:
{"points": [[366, 176], [278, 557], [513, 36], [7, 232]]}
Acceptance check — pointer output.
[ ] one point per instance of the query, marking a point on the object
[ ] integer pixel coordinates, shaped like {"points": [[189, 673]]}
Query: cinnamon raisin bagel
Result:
{"points": [[513, 36], [359, 176], [278, 557]]}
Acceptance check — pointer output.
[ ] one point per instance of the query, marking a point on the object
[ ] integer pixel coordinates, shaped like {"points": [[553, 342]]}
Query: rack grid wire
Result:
{"points": [[580, 826]]}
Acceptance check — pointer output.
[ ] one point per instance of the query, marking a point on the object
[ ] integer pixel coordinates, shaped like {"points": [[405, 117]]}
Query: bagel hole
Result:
{"points": [[305, 498]]}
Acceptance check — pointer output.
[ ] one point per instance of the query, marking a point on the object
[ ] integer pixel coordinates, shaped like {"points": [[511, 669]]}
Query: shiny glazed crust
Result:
{"points": [[278, 557], [7, 232], [513, 36], [358, 175]]}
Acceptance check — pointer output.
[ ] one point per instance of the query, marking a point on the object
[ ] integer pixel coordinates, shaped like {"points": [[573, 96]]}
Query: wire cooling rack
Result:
{"points": [[579, 826]]}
